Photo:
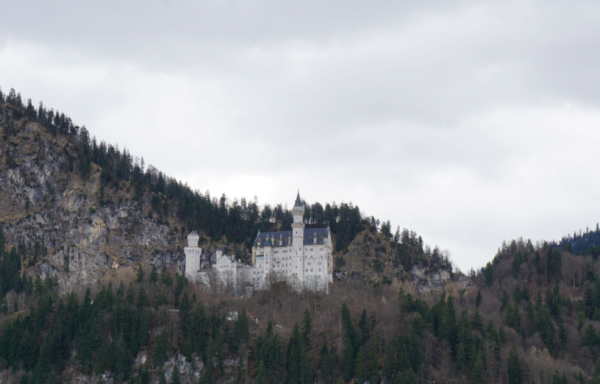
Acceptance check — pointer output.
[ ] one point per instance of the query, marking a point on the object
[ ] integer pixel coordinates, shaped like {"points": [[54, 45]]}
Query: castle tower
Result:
{"points": [[298, 224], [192, 256], [298, 238]]}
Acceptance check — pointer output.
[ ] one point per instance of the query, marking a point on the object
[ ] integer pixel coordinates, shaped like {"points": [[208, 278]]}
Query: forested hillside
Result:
{"points": [[76, 208], [92, 290], [582, 242], [532, 317]]}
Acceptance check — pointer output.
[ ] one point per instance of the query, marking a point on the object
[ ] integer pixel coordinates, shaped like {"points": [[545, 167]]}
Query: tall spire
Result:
{"points": [[298, 201]]}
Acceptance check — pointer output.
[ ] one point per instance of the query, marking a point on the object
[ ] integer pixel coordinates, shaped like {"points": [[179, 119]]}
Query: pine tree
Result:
{"points": [[153, 275], [139, 277], [478, 299], [160, 353], [478, 375], [363, 326], [410, 377], [297, 368], [306, 326], [360, 370], [349, 341], [325, 366], [261, 373], [142, 301], [514, 367], [373, 360], [166, 278], [161, 377], [176, 377]]}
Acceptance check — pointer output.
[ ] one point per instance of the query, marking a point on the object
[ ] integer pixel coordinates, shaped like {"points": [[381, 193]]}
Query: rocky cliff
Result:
{"points": [[79, 240]]}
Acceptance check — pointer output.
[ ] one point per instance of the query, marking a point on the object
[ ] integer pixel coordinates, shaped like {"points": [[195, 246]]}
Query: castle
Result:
{"points": [[302, 257]]}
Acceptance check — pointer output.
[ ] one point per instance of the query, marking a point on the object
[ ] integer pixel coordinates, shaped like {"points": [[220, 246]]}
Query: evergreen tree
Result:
{"points": [[360, 371], [410, 377], [488, 273], [166, 278], [325, 366], [373, 360], [153, 275], [478, 375], [139, 277], [363, 326], [176, 377], [297, 368], [478, 299], [306, 326], [349, 342], [514, 367], [161, 377], [261, 373], [160, 353]]}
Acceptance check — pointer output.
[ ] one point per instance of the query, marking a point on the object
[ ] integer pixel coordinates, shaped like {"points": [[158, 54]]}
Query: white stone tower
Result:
{"points": [[298, 237], [192, 256]]}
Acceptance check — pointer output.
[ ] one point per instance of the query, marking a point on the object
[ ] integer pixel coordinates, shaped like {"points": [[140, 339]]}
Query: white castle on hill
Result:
{"points": [[302, 257]]}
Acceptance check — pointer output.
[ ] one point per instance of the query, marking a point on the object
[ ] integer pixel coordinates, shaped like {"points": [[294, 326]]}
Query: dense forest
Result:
{"points": [[522, 321], [582, 242]]}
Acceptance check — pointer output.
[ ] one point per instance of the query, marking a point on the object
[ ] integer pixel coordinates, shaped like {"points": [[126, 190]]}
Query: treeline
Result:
{"points": [[587, 242], [105, 333]]}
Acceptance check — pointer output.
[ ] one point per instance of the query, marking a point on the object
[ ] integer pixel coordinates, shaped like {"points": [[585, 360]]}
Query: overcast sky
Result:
{"points": [[469, 122]]}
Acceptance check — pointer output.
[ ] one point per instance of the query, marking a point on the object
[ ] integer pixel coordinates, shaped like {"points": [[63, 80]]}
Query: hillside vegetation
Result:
{"points": [[92, 290]]}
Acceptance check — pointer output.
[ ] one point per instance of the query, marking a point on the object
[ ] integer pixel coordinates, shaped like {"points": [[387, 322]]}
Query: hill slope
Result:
{"points": [[79, 209]]}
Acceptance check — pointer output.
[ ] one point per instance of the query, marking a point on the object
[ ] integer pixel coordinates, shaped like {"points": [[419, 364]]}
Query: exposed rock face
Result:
{"points": [[433, 282], [42, 201]]}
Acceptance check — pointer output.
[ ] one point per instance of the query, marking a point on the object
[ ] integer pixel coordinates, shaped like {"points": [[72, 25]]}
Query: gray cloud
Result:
{"points": [[470, 122]]}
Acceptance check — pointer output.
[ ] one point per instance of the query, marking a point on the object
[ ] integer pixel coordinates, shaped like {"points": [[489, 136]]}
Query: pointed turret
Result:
{"points": [[298, 202]]}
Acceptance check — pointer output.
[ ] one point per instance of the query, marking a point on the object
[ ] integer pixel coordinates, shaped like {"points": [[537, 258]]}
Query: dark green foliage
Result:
{"points": [[557, 378], [306, 326], [478, 375], [478, 299], [139, 277], [175, 377], [296, 366], [166, 278], [153, 275], [360, 372], [270, 352], [325, 366], [514, 367], [160, 353], [241, 332], [488, 273], [586, 243]]}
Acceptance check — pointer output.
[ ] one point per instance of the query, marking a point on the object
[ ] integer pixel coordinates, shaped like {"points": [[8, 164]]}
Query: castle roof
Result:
{"points": [[298, 202], [287, 237], [193, 233]]}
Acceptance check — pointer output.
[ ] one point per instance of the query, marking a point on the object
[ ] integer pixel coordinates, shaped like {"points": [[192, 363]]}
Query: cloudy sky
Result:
{"points": [[470, 122]]}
